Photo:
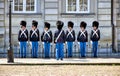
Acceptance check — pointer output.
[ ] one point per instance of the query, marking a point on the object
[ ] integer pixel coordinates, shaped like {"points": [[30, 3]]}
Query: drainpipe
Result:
{"points": [[113, 27]]}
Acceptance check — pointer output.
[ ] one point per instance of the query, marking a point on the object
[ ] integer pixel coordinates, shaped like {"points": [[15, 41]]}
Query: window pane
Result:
{"points": [[18, 5], [30, 5], [32, 2], [32, 8], [71, 5], [28, 2], [83, 5], [20, 2], [71, 8], [15, 2], [27, 8], [20, 8], [16, 8]]}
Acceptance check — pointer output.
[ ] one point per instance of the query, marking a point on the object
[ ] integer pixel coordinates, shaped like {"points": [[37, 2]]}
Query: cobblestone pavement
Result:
{"points": [[59, 70]]}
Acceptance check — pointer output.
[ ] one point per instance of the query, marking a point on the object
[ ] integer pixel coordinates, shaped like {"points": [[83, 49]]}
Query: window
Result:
{"points": [[24, 6], [77, 6]]}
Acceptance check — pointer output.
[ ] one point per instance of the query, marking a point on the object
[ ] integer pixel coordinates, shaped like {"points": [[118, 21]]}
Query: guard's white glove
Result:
{"points": [[91, 42], [19, 43], [65, 42], [30, 43], [78, 43], [42, 43]]}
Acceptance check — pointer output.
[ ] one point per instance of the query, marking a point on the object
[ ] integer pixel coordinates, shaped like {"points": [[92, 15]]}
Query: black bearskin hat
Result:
{"points": [[83, 24], [95, 24], [47, 25], [23, 23], [70, 24], [34, 23], [59, 24]]}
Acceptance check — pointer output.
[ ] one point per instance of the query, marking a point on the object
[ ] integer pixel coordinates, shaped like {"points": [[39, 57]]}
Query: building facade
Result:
{"points": [[64, 10]]}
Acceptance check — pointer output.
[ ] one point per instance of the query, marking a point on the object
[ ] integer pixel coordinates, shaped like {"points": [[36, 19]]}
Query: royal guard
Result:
{"points": [[70, 38], [46, 38], [59, 39], [34, 38], [23, 38], [82, 38], [95, 37]]}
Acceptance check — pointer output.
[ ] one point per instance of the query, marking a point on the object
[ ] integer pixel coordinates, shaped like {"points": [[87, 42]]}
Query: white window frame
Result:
{"points": [[24, 8], [77, 7]]}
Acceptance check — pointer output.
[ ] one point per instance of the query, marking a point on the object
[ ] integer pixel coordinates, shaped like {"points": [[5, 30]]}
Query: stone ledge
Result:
{"points": [[72, 61], [78, 14], [25, 13]]}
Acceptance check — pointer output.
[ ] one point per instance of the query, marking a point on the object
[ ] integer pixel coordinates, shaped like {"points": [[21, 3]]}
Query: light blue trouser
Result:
{"points": [[83, 48], [70, 48], [47, 49], [94, 48], [35, 49], [23, 49], [59, 51]]}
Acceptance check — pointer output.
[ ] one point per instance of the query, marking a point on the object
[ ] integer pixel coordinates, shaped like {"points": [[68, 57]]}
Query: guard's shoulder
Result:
{"points": [[98, 29], [73, 29], [27, 30], [20, 30], [63, 30], [31, 31], [85, 30], [79, 31], [50, 31], [37, 29]]}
